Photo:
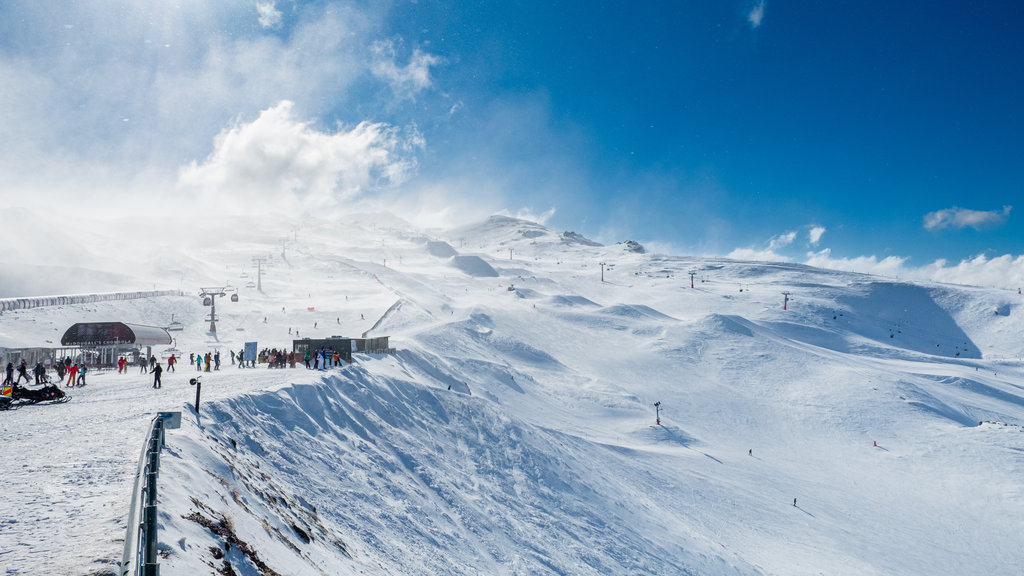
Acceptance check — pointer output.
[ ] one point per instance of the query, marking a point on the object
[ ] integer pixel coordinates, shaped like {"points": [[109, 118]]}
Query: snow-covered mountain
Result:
{"points": [[869, 427]]}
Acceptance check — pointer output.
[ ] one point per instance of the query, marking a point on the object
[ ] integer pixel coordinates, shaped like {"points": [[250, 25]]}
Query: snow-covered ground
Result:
{"points": [[872, 427]]}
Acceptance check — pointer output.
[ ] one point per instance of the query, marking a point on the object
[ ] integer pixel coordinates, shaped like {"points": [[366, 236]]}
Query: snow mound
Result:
{"points": [[634, 311], [474, 266], [440, 249], [908, 317], [728, 324], [571, 301]]}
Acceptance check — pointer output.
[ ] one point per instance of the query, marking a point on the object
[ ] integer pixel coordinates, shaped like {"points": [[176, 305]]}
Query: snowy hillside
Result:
{"points": [[870, 427]]}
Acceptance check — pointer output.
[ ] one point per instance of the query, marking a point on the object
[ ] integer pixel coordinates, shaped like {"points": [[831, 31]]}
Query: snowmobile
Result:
{"points": [[21, 395]]}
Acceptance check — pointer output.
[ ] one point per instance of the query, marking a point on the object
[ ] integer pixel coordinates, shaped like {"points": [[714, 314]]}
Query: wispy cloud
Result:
{"points": [[405, 81], [963, 218], [756, 14], [269, 15], [782, 240], [815, 234], [767, 253]]}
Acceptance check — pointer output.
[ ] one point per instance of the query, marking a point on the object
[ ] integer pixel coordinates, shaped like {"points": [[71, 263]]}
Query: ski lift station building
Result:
{"points": [[343, 346], [104, 342]]}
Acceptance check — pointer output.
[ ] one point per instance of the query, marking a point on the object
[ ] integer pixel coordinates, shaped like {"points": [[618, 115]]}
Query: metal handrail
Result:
{"points": [[140, 540]]}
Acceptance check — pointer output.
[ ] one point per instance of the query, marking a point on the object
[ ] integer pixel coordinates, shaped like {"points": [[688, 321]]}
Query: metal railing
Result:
{"points": [[140, 540]]}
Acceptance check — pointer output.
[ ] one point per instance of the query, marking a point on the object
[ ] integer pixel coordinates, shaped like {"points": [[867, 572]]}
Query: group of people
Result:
{"points": [[208, 360], [75, 372], [275, 358], [322, 358], [146, 366]]}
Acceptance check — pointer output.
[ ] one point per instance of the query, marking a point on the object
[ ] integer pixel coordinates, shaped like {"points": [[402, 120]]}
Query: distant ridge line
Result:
{"points": [[7, 304]]}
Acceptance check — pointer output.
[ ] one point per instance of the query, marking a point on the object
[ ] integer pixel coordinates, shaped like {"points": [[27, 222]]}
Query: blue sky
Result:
{"points": [[871, 136]]}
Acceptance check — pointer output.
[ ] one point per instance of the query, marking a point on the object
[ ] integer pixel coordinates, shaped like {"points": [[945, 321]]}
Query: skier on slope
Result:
{"points": [[156, 371]]}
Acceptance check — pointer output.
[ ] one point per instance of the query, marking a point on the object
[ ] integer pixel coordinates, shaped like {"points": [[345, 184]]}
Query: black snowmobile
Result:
{"points": [[21, 395]]}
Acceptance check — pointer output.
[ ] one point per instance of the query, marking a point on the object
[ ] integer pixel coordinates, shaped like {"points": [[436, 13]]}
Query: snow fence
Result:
{"points": [[7, 304]]}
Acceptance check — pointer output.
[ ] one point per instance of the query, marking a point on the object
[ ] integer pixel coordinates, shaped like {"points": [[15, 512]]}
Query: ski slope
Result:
{"points": [[513, 432]]}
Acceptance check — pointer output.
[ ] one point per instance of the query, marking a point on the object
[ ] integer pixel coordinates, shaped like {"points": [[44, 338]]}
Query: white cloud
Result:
{"points": [[405, 81], [888, 266], [815, 234], [278, 158], [781, 241], [1006, 271], [193, 69], [963, 218], [270, 16], [756, 14], [766, 255]]}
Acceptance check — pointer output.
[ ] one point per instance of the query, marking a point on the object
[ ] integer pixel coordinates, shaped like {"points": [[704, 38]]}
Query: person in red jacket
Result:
{"points": [[171, 362], [72, 374]]}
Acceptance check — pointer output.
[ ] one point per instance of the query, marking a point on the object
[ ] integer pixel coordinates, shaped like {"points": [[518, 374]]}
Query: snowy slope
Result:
{"points": [[514, 430]]}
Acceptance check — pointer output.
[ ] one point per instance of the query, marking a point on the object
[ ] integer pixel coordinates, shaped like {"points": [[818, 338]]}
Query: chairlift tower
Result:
{"points": [[657, 412], [785, 301], [209, 296], [259, 261], [692, 273]]}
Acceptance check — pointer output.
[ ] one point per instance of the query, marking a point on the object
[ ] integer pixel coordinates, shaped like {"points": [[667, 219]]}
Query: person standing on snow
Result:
{"points": [[81, 374], [156, 371], [9, 379], [23, 372], [170, 363], [72, 374]]}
